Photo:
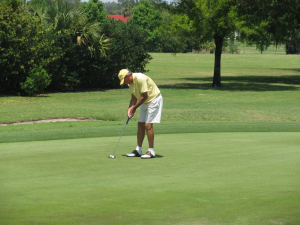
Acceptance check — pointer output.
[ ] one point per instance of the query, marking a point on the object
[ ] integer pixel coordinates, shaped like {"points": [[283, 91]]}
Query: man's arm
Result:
{"points": [[134, 104]]}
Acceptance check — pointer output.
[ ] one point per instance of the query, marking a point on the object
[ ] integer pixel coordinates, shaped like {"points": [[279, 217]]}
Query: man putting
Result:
{"points": [[146, 94]]}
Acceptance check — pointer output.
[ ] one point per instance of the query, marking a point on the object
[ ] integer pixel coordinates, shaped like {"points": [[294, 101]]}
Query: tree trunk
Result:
{"points": [[218, 53]]}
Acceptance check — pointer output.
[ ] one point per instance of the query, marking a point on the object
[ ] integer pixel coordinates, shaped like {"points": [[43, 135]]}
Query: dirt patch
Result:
{"points": [[49, 121]]}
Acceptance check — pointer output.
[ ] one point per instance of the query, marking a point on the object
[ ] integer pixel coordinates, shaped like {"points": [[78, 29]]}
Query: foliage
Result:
{"points": [[257, 35], [263, 22], [219, 19], [149, 19], [36, 82], [208, 46], [94, 11], [72, 34], [128, 49], [176, 33], [23, 46], [69, 40], [212, 20], [293, 43], [76, 43]]}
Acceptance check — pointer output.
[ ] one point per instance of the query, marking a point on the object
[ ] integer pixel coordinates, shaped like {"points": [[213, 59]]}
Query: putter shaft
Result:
{"points": [[121, 136]]}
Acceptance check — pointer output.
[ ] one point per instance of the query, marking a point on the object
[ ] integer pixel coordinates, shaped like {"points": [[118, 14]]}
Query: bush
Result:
{"points": [[127, 50], [31, 48], [36, 82], [23, 46]]}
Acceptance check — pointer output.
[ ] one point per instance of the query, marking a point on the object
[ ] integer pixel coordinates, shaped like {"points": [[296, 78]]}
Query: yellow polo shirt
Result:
{"points": [[141, 84]]}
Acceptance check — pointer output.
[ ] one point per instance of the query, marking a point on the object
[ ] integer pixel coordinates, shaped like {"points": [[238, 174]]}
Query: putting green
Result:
{"points": [[204, 178]]}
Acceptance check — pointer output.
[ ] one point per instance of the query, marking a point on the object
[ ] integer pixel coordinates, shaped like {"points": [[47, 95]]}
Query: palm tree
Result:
{"points": [[66, 16]]}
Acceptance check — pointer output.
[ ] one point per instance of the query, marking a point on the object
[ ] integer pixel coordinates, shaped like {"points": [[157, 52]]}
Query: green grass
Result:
{"points": [[71, 130], [255, 88], [224, 156], [208, 178], [272, 50]]}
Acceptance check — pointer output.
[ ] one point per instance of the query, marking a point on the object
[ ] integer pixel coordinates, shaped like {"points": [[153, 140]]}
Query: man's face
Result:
{"points": [[127, 79]]}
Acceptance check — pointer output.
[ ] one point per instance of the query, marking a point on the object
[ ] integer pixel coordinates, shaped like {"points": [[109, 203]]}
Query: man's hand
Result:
{"points": [[135, 103], [131, 112]]}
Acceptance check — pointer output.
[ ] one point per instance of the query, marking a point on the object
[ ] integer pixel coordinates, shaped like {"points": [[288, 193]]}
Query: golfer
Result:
{"points": [[144, 94]]}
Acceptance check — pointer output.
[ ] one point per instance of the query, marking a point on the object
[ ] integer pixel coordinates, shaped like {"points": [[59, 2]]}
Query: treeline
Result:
{"points": [[176, 32], [65, 45]]}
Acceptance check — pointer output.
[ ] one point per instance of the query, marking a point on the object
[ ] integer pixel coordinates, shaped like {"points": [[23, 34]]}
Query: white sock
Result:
{"points": [[152, 151], [139, 149]]}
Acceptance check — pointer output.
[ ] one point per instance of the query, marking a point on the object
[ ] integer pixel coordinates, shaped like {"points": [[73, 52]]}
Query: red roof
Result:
{"points": [[118, 17]]}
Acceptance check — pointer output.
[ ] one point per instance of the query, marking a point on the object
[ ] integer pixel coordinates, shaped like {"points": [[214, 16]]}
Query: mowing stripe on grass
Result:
{"points": [[71, 130]]}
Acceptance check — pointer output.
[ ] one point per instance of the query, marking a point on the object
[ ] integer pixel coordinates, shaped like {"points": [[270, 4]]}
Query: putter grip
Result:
{"points": [[127, 120]]}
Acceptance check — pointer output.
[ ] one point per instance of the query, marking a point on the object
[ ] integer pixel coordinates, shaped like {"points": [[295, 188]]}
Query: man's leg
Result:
{"points": [[153, 116], [140, 134], [140, 139], [150, 134]]}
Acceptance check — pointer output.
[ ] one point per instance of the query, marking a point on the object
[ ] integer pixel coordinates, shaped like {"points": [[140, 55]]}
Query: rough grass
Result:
{"points": [[255, 88]]}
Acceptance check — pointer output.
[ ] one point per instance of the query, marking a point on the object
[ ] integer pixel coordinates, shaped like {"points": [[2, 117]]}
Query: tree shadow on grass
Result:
{"points": [[46, 94], [290, 69], [242, 83], [36, 96]]}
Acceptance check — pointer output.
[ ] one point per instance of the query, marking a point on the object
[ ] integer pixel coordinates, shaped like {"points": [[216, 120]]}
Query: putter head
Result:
{"points": [[112, 156]]}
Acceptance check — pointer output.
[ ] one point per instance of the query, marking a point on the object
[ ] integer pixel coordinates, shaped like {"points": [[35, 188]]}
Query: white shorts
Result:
{"points": [[151, 112]]}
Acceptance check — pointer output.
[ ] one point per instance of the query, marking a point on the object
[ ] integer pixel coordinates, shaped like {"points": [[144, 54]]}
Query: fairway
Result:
{"points": [[226, 156], [197, 178]]}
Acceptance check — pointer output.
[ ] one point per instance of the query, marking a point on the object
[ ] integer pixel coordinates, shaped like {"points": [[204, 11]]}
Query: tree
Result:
{"points": [[149, 19], [176, 33], [258, 35], [23, 46], [75, 33], [263, 21], [57, 42], [292, 45], [259, 22], [213, 20], [94, 11], [128, 50]]}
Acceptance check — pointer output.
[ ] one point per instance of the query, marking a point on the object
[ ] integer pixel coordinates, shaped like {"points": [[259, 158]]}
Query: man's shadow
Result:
{"points": [[156, 156]]}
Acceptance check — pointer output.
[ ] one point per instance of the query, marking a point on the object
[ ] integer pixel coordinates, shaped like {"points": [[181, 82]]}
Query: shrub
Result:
{"points": [[23, 46], [127, 50], [36, 82]]}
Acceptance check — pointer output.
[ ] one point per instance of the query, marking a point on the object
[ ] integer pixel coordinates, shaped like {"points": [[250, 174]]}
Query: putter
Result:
{"points": [[113, 155]]}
